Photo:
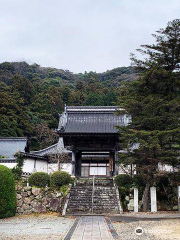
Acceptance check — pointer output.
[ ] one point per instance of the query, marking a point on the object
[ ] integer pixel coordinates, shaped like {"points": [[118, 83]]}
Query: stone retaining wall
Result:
{"points": [[37, 200]]}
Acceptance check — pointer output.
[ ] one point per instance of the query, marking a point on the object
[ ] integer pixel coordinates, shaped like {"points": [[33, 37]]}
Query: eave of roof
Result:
{"points": [[86, 134], [34, 156], [7, 160], [13, 138]]}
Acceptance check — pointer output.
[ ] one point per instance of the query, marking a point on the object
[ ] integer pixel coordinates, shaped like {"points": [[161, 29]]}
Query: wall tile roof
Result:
{"points": [[54, 149], [9, 146]]}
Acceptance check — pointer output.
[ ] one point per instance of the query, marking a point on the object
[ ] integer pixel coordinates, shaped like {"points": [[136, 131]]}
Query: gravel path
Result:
{"points": [[34, 227], [152, 230]]}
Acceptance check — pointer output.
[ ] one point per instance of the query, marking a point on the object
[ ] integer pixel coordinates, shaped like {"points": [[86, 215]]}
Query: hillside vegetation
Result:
{"points": [[33, 96]]}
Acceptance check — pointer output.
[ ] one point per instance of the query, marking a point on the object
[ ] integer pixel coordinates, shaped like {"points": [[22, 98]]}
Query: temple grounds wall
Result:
{"points": [[38, 200]]}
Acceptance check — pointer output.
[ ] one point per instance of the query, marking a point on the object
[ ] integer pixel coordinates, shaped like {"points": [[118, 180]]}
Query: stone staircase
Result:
{"points": [[104, 198]]}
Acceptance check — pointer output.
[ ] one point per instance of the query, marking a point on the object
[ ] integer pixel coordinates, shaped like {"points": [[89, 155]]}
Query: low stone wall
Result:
{"points": [[37, 200]]}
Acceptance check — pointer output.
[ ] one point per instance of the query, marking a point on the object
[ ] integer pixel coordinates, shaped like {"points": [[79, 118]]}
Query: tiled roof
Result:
{"points": [[54, 149], [99, 119], [10, 145]]}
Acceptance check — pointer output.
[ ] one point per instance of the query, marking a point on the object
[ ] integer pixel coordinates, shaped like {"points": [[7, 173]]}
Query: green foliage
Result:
{"points": [[59, 179], [17, 170], [153, 101], [7, 193], [33, 96], [177, 178], [64, 190], [139, 180], [39, 179], [123, 180]]}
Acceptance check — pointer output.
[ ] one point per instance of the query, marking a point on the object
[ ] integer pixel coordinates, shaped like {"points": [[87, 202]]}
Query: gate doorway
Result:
{"points": [[95, 169]]}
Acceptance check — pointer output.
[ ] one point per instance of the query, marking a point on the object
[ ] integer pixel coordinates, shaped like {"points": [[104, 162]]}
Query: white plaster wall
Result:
{"points": [[28, 165], [9, 165], [67, 167], [127, 169], [165, 168], [40, 165], [52, 167]]}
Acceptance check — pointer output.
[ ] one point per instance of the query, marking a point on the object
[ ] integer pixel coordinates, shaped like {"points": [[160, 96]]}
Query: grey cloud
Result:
{"points": [[80, 35]]}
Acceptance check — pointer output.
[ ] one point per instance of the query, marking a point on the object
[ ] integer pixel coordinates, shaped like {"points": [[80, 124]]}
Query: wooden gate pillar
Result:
{"points": [[111, 163], [78, 164]]}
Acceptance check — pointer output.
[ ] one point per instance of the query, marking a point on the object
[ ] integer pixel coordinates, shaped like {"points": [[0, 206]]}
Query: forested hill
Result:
{"points": [[32, 96], [56, 76]]}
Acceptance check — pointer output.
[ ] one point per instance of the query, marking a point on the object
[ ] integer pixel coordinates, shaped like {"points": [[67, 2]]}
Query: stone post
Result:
{"points": [[153, 199], [135, 200]]}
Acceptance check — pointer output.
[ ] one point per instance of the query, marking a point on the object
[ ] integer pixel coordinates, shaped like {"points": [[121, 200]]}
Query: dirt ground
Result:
{"points": [[34, 226], [152, 230]]}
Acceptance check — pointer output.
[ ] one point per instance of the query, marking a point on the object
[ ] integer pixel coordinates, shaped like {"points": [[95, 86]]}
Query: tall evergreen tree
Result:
{"points": [[153, 101]]}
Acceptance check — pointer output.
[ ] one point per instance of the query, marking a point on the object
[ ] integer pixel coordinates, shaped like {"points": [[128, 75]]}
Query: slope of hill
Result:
{"points": [[32, 96]]}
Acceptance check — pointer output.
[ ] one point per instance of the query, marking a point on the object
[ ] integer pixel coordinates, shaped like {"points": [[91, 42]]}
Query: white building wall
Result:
{"points": [[31, 165], [41, 166], [53, 167], [166, 168], [9, 165], [28, 165], [67, 167], [127, 169]]}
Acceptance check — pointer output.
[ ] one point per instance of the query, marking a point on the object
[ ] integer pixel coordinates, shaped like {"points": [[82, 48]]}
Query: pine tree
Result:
{"points": [[153, 102]]}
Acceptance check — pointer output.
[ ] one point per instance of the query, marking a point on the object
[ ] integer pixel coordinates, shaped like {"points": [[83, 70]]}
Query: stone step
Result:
{"points": [[98, 181], [104, 196]]}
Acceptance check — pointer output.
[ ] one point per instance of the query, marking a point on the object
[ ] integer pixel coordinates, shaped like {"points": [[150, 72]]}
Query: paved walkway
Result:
{"points": [[92, 228]]}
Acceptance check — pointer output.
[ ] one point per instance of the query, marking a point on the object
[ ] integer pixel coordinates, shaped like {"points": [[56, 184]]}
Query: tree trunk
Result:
{"points": [[58, 164], [167, 197], [145, 198]]}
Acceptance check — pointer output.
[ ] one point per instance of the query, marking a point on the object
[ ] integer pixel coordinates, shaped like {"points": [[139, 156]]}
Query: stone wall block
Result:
{"points": [[27, 200], [36, 200], [36, 191], [18, 196], [24, 194]]}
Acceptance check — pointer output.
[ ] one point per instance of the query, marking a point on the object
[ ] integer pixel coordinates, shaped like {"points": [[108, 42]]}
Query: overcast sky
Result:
{"points": [[80, 35]]}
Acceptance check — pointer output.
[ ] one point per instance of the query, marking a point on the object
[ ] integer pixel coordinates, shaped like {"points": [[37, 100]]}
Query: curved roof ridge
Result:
{"points": [[44, 149], [93, 108]]}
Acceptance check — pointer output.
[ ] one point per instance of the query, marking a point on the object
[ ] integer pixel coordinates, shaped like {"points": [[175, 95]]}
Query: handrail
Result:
{"points": [[93, 193]]}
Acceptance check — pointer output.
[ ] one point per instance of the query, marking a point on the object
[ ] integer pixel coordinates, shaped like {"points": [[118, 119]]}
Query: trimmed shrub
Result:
{"points": [[8, 202], [39, 179], [59, 179], [123, 180]]}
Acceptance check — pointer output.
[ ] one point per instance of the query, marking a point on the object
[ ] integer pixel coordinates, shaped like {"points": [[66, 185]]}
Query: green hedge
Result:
{"points": [[8, 202], [59, 179], [123, 180], [39, 179]]}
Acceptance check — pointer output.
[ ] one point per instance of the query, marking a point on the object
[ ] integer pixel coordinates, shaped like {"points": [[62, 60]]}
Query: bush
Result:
{"points": [[177, 178], [139, 180], [60, 178], [17, 170], [39, 179], [123, 180], [8, 202]]}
